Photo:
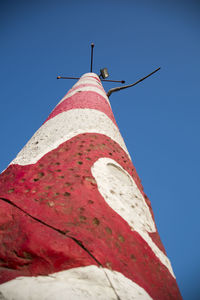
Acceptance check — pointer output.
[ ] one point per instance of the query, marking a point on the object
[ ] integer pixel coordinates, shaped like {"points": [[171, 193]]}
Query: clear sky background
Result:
{"points": [[158, 118]]}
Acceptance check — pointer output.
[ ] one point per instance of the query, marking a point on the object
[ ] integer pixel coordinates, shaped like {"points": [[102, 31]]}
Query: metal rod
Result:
{"points": [[64, 77], [61, 77], [143, 78], [127, 86], [122, 81], [92, 47]]}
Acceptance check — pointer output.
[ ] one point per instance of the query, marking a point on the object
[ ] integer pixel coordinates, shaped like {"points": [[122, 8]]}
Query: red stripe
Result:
{"points": [[79, 85], [61, 191], [86, 99], [30, 248]]}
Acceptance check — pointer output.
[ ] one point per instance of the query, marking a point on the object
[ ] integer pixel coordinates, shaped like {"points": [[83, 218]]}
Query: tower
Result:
{"points": [[75, 221]]}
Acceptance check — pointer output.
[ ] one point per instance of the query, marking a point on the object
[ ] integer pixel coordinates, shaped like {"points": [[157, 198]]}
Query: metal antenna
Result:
{"points": [[92, 49], [127, 86], [104, 74], [91, 67]]}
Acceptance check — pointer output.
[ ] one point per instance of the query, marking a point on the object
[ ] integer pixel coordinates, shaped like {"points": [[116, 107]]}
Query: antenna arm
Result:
{"points": [[130, 85], [116, 90]]}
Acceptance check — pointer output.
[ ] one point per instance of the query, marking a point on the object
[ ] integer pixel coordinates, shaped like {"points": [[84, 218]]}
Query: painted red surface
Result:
{"points": [[85, 99], [30, 248], [81, 85], [61, 191], [57, 200], [96, 84]]}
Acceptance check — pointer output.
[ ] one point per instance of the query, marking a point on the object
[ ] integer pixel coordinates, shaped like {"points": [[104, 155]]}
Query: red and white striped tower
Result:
{"points": [[74, 220]]}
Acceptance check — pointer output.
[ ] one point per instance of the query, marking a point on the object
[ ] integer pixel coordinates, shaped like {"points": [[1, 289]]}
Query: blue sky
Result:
{"points": [[159, 118]]}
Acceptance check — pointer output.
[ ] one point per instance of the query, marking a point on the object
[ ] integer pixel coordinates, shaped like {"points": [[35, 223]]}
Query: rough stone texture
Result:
{"points": [[64, 126], [86, 283], [58, 213], [122, 194]]}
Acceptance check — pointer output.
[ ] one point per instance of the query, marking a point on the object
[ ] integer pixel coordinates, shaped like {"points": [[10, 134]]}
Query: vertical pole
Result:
{"points": [[92, 48]]}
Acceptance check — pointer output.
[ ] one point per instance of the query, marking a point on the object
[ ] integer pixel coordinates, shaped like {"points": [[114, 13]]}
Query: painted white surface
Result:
{"points": [[90, 81], [84, 283], [122, 194], [63, 127], [90, 76]]}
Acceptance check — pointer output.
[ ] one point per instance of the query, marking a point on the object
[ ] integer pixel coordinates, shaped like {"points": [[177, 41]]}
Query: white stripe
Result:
{"points": [[88, 81], [63, 127], [84, 283], [162, 257], [89, 78], [90, 75], [122, 194], [86, 89]]}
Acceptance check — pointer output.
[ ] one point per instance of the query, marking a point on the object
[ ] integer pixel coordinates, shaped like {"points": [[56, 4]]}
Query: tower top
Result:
{"points": [[104, 74]]}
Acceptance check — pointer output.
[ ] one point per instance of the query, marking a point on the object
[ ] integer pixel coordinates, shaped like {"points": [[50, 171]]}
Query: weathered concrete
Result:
{"points": [[72, 200]]}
